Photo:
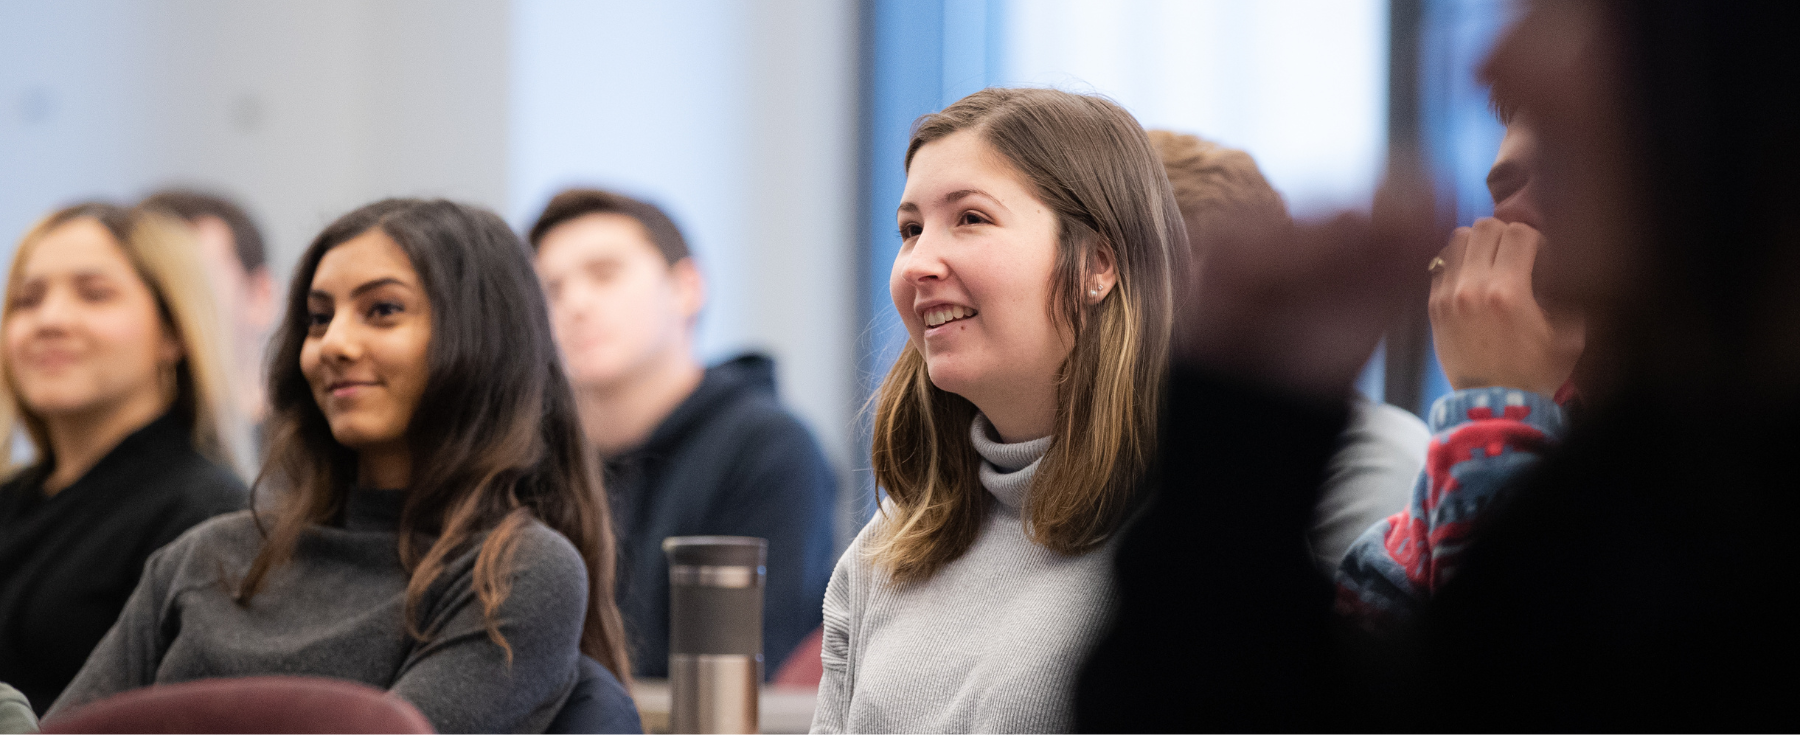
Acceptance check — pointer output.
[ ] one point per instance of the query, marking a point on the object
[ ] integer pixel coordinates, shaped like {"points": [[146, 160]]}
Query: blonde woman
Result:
{"points": [[107, 343], [1012, 435]]}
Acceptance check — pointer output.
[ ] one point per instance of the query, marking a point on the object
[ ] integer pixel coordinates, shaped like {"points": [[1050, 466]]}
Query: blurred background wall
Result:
{"points": [[772, 130], [740, 118], [302, 110]]}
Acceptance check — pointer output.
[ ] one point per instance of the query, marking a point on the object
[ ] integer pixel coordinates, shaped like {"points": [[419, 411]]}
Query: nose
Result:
{"points": [[338, 344], [55, 312], [574, 302], [924, 261]]}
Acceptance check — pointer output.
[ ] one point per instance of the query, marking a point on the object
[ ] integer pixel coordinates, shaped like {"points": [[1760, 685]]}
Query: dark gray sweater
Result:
{"points": [[335, 611]]}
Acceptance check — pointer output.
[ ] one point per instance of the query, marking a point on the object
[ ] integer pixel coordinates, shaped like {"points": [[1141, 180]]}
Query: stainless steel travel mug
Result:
{"points": [[715, 632]]}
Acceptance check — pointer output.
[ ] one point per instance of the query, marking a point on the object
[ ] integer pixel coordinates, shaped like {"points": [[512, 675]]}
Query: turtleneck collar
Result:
{"points": [[373, 510], [1006, 469]]}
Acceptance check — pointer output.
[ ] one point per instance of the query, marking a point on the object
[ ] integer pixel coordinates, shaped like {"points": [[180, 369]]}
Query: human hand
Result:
{"points": [[1488, 326], [1301, 307]]}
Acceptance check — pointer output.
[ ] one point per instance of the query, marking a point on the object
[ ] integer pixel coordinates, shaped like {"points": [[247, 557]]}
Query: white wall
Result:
{"points": [[739, 117], [300, 109]]}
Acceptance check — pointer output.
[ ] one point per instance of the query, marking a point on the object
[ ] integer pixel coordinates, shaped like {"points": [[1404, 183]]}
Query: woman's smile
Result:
{"points": [[345, 389], [51, 358]]}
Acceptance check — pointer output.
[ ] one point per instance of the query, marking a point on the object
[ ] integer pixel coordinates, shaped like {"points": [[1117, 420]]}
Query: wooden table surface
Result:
{"points": [[781, 709]]}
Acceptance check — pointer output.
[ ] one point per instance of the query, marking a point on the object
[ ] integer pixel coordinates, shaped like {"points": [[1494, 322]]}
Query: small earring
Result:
{"points": [[1093, 292]]}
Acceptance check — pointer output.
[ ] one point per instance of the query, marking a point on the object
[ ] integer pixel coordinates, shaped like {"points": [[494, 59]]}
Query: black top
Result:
{"points": [[69, 561], [728, 461], [1641, 578]]}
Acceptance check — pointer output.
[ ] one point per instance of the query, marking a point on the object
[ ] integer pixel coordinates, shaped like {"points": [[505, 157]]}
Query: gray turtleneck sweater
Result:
{"points": [[335, 610], [991, 643]]}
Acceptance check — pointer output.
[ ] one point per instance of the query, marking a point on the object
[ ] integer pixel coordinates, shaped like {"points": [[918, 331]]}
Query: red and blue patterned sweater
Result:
{"points": [[1482, 438]]}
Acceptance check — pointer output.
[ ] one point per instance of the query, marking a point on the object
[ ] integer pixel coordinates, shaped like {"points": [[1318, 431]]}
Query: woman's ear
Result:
{"points": [[1103, 274]]}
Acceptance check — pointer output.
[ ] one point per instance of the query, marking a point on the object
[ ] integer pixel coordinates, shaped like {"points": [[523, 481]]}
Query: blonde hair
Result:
{"points": [[1213, 182], [165, 256], [1089, 162]]}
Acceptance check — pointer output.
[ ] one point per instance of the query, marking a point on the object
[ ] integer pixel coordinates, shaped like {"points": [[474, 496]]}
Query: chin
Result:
{"points": [[596, 373], [948, 375], [593, 379], [356, 434], [56, 399]]}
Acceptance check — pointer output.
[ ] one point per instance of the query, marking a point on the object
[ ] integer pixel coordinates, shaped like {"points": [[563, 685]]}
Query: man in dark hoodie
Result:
{"points": [[687, 450]]}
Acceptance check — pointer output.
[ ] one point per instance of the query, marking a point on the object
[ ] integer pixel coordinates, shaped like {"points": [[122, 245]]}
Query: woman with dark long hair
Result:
{"points": [[437, 528], [1642, 576]]}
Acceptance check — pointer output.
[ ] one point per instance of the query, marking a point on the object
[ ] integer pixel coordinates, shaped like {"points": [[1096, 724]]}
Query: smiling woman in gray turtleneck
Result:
{"points": [[1039, 235]]}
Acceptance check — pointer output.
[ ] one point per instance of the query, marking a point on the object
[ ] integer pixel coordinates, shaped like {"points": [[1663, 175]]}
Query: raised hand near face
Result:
{"points": [[1490, 329], [1301, 307]]}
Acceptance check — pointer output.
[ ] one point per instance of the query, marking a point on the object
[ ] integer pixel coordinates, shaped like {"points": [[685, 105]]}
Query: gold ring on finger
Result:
{"points": [[1436, 265]]}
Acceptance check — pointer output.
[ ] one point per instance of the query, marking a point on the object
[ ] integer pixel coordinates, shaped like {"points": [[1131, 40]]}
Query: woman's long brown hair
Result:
{"points": [[1090, 162], [495, 438]]}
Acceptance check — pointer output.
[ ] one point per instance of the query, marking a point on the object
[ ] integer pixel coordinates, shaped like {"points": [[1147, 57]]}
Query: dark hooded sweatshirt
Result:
{"points": [[728, 461], [69, 561]]}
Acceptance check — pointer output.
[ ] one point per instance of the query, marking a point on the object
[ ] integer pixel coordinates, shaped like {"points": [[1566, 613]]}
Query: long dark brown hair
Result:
{"points": [[1090, 162], [495, 439]]}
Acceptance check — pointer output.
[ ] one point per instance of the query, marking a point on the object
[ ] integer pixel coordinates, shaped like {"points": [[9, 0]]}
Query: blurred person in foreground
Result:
{"points": [[1510, 356], [110, 352], [1641, 576], [1383, 446], [1039, 238], [434, 525], [237, 265], [689, 451]]}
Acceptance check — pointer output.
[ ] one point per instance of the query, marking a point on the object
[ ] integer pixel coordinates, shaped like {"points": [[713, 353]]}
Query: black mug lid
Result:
{"points": [[716, 551]]}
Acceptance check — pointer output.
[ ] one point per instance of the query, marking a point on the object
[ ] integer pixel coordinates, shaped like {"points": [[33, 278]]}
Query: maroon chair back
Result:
{"points": [[262, 704], [803, 668]]}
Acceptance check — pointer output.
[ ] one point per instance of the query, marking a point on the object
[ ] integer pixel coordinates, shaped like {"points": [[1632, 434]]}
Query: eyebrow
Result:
{"points": [[359, 290], [375, 284], [83, 273], [90, 274], [953, 197]]}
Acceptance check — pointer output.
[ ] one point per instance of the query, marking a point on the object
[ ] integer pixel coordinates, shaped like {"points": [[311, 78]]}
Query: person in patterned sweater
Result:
{"points": [[1509, 356]]}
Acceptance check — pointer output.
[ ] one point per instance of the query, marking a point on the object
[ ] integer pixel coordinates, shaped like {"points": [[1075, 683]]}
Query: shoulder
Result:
{"points": [[539, 542], [546, 576], [547, 582], [18, 489], [755, 440], [234, 530], [18, 479], [232, 539], [857, 563], [543, 554], [755, 417]]}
